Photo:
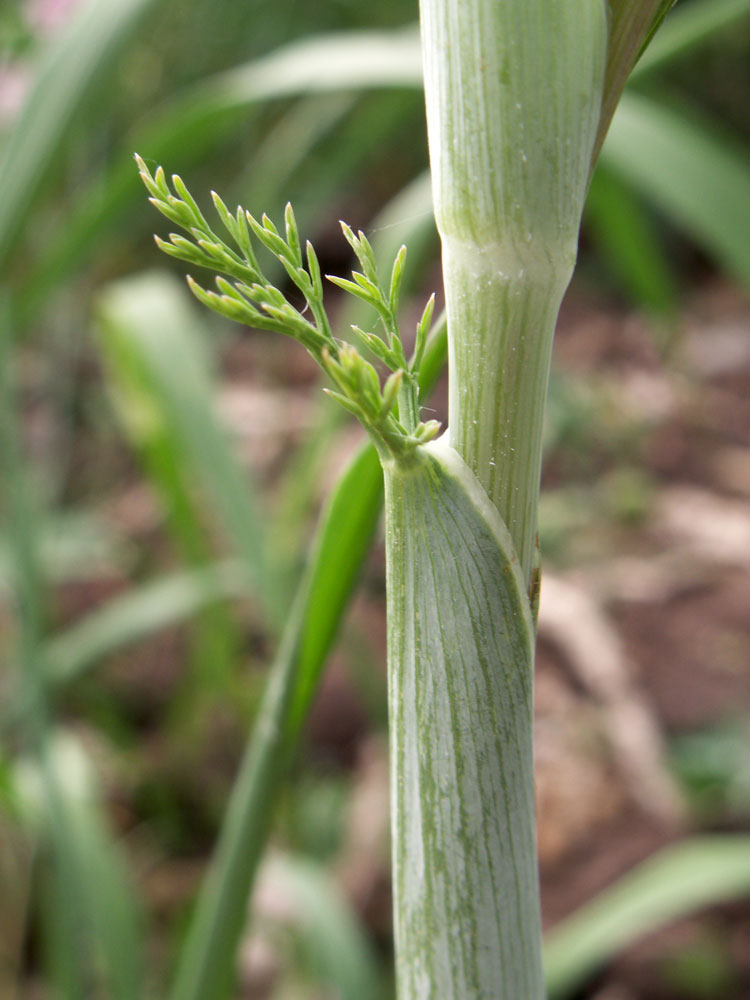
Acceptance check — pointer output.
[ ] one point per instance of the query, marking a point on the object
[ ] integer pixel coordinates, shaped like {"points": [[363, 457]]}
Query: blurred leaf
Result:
{"points": [[343, 61], [148, 334], [713, 767], [64, 80], [627, 239], [670, 885], [93, 908], [214, 635], [688, 25], [92, 922], [70, 544], [694, 176], [334, 946], [140, 612]]}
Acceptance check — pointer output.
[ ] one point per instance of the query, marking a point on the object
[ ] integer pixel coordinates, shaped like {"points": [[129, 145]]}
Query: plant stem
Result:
{"points": [[513, 92], [460, 654], [504, 322]]}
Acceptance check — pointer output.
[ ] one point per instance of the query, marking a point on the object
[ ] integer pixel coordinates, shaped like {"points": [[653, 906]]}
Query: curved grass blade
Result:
{"points": [[626, 238], [64, 80], [672, 884], [93, 923], [688, 172]]}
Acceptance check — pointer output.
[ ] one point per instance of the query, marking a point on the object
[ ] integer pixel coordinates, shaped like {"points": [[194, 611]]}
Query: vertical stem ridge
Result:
{"points": [[499, 368], [513, 93], [467, 921]]}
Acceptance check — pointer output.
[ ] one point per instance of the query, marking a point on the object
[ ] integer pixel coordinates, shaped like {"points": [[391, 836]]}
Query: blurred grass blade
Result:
{"points": [[324, 927], [64, 79], [670, 885], [148, 335], [627, 239], [345, 61], [206, 964], [214, 638], [689, 25], [102, 923], [92, 921], [288, 145], [94, 891], [140, 612], [688, 172]]}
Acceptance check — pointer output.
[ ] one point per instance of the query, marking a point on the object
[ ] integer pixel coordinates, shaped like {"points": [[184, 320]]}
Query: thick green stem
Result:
{"points": [[460, 659], [504, 316], [513, 91]]}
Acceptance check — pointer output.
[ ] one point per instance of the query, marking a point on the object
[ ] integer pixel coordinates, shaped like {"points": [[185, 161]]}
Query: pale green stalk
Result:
{"points": [[460, 652], [513, 93]]}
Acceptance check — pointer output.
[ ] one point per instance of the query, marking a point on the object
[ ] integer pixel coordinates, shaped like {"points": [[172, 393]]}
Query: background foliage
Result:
{"points": [[162, 473]]}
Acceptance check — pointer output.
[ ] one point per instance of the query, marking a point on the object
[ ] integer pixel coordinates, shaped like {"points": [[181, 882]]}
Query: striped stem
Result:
{"points": [[460, 659], [513, 91]]}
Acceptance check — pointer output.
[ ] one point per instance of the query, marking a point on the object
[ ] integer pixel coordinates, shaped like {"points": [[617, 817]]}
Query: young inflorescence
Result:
{"points": [[390, 412]]}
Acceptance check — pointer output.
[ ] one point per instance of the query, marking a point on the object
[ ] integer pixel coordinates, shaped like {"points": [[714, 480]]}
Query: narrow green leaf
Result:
{"points": [[689, 172], [670, 885], [93, 925], [96, 895], [342, 543]]}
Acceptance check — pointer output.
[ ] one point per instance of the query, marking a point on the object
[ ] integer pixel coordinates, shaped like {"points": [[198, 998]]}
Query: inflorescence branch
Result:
{"points": [[389, 412]]}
